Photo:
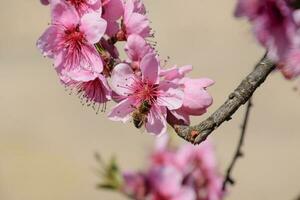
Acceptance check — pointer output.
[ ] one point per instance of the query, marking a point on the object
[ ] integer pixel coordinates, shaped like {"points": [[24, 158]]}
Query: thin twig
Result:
{"points": [[198, 133], [239, 153]]}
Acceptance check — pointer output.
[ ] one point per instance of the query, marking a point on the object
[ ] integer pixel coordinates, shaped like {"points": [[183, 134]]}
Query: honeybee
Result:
{"points": [[139, 116]]}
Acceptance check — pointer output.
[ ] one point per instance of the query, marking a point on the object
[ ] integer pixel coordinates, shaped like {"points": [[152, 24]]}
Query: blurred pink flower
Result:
{"points": [[185, 173], [273, 24], [136, 185]]}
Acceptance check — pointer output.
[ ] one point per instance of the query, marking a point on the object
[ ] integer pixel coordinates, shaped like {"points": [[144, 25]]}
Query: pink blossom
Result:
{"points": [[135, 21], [185, 173], [273, 24], [135, 90], [276, 26], [196, 98], [70, 41], [203, 174]]}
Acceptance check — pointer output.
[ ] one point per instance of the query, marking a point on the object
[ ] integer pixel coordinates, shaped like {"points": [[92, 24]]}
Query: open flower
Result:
{"points": [[70, 41], [135, 90], [187, 172]]}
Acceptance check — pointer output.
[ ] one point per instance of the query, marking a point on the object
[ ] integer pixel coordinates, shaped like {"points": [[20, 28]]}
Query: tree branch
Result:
{"points": [[198, 133], [239, 153]]}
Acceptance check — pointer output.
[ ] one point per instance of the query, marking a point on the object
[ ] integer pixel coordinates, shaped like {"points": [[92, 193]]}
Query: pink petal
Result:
{"points": [[156, 121], [88, 61], [200, 82], [291, 68], [121, 79], [171, 95], [113, 10], [91, 2], [91, 59], [79, 74], [112, 28], [64, 15], [178, 117], [136, 47], [121, 112], [93, 26], [196, 98], [105, 86], [128, 9], [150, 68], [46, 43], [137, 24], [175, 72]]}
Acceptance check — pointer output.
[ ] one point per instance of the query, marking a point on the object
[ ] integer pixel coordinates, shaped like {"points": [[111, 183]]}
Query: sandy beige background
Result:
{"points": [[47, 139]]}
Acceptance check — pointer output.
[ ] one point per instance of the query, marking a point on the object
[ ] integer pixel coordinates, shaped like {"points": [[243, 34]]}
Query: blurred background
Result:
{"points": [[48, 140]]}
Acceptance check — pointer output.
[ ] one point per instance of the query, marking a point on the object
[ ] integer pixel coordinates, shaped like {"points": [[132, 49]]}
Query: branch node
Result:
{"points": [[240, 154], [231, 181], [241, 95]]}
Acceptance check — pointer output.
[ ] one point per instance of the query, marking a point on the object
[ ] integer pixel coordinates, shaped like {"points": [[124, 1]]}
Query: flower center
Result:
{"points": [[146, 92], [74, 39], [77, 3]]}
